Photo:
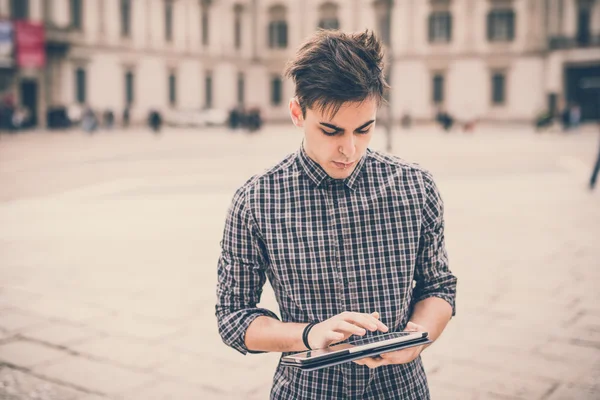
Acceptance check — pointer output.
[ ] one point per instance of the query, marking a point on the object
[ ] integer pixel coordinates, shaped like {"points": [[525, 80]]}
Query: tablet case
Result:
{"points": [[347, 357]]}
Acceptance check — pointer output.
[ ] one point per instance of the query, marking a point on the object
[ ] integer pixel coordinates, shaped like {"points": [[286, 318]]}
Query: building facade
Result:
{"points": [[496, 60]]}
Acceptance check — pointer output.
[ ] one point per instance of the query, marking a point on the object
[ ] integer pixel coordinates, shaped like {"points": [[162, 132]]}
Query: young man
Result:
{"points": [[352, 240]]}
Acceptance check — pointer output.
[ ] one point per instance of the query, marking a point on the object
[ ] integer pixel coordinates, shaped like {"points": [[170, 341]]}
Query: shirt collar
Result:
{"points": [[319, 177]]}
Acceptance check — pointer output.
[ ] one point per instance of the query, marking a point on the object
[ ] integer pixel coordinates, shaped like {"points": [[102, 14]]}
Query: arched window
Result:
{"points": [[278, 27], [501, 22], [328, 18]]}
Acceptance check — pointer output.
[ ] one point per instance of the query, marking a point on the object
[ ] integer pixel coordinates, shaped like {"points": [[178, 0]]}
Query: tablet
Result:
{"points": [[354, 349]]}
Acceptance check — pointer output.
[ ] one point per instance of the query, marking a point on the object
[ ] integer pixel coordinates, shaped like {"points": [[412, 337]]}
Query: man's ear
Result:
{"points": [[296, 113]]}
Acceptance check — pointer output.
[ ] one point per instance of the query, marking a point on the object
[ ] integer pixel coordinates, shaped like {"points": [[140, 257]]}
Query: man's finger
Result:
{"points": [[366, 320], [373, 363], [343, 326], [411, 327]]}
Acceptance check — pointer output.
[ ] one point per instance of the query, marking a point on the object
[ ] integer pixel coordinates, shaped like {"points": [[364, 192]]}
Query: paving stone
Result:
{"points": [[492, 381], [74, 312], [579, 392], [94, 376], [28, 354], [169, 390], [250, 373], [18, 385], [61, 334], [134, 327], [126, 352], [13, 321]]}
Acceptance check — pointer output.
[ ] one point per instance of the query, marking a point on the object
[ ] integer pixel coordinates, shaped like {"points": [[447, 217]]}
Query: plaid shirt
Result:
{"points": [[371, 242]]}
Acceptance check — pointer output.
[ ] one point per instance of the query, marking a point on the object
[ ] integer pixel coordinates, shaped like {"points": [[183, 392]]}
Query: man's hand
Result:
{"points": [[403, 356], [342, 326]]}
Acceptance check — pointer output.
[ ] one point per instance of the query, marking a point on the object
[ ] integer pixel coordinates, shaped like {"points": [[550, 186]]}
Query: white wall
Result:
{"points": [[467, 60]]}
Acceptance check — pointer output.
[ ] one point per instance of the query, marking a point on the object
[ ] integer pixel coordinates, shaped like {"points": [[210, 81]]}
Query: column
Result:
{"points": [[4, 8], [101, 18]]}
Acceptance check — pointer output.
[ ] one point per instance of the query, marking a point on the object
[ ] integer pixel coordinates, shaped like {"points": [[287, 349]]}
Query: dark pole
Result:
{"points": [[390, 69], [254, 30]]}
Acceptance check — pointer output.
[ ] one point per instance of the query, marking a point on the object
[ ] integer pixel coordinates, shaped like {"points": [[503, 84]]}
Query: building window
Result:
{"points": [[383, 12], [440, 27], [208, 90], [172, 89], [438, 89], [584, 17], [80, 81], [329, 16], [168, 20], [276, 91], [237, 26], [204, 15], [129, 88], [498, 88], [241, 89], [19, 9], [76, 14], [501, 25], [278, 27], [47, 11], [125, 18]]}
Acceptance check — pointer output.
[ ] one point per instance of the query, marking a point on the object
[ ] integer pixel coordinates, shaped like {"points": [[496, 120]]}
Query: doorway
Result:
{"points": [[29, 100]]}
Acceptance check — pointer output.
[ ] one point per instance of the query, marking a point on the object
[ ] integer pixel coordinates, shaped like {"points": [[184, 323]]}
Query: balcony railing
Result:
{"points": [[59, 39], [570, 42]]}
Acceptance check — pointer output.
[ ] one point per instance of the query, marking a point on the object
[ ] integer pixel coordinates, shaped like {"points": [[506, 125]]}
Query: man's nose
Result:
{"points": [[347, 146]]}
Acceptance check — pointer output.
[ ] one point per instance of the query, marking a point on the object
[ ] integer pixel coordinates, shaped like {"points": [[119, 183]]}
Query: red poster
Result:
{"points": [[29, 38]]}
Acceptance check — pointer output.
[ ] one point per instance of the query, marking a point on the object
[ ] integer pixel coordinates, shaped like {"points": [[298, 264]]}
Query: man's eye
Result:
{"points": [[328, 133], [363, 132]]}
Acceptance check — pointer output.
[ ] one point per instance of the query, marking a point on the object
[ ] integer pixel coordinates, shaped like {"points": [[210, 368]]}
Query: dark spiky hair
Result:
{"points": [[332, 68]]}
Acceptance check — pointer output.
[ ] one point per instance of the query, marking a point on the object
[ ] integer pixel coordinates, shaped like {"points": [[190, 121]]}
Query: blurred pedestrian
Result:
{"points": [[109, 119], [575, 116], [126, 117], [445, 119], [406, 120], [596, 169], [89, 121], [253, 120], [236, 116], [351, 240], [19, 118], [155, 121]]}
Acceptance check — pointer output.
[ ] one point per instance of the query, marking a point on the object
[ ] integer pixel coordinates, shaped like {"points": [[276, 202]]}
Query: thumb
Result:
{"points": [[375, 314], [411, 327]]}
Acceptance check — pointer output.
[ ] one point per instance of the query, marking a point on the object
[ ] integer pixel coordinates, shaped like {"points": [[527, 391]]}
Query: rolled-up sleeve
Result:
{"points": [[433, 277], [241, 275]]}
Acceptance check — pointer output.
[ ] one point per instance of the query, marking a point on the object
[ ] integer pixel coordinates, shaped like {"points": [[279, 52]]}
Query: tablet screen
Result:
{"points": [[357, 345]]}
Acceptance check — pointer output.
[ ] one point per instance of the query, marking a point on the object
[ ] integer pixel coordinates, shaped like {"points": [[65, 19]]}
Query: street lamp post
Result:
{"points": [[387, 37], [383, 12]]}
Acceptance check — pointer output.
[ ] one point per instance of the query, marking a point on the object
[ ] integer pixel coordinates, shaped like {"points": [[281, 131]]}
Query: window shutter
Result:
{"points": [[511, 25], [431, 28], [272, 34], [283, 36]]}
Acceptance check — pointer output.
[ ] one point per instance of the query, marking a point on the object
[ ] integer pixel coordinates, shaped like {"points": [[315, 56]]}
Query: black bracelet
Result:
{"points": [[306, 332]]}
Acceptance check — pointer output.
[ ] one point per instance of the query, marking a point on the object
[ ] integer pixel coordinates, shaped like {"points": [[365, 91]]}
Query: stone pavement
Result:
{"points": [[108, 249]]}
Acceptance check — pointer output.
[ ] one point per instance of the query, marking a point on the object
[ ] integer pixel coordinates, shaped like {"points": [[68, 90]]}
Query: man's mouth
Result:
{"points": [[343, 165]]}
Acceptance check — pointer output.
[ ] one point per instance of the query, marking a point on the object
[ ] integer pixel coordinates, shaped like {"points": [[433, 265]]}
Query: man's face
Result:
{"points": [[338, 143]]}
